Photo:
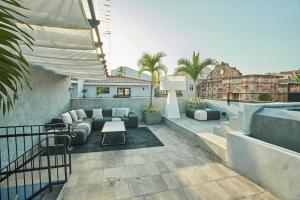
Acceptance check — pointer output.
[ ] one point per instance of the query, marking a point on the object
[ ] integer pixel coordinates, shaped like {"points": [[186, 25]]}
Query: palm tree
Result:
{"points": [[296, 77], [153, 65], [121, 71], [194, 67], [14, 69]]}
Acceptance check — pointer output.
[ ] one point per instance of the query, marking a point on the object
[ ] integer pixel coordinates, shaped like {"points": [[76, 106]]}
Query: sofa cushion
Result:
{"points": [[66, 118], [89, 113], [85, 126], [126, 111], [81, 114], [98, 123], [107, 112], [119, 112], [73, 115], [97, 113]]}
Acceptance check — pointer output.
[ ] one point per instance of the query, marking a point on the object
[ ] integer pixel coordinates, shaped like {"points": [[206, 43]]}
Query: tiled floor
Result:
{"points": [[178, 170]]}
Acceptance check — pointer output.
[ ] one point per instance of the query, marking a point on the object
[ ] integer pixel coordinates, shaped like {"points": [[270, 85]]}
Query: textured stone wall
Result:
{"points": [[136, 104], [49, 97]]}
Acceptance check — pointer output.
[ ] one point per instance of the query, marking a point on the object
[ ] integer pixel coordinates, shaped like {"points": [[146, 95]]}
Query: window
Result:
{"points": [[191, 87], [124, 92], [102, 90]]}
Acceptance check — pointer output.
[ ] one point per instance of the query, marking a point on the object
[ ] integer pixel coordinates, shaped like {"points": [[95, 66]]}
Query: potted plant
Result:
{"points": [[153, 65], [84, 92], [151, 115], [195, 103]]}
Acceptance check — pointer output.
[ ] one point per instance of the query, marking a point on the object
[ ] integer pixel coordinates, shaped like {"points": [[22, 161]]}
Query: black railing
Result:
{"points": [[32, 161]]}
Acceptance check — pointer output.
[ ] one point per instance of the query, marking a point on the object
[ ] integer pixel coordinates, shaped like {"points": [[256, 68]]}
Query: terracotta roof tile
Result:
{"points": [[120, 79]]}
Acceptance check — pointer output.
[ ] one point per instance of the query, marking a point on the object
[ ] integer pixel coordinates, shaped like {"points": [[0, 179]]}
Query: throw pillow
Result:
{"points": [[113, 113], [126, 111], [81, 114], [119, 112], [73, 115], [97, 113], [66, 118]]}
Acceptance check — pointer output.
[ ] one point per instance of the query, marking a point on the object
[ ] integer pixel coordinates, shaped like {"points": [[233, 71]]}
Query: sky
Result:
{"points": [[256, 36]]}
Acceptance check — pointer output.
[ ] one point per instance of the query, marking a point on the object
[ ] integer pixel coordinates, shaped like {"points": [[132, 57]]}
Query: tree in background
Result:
{"points": [[194, 67], [121, 71], [14, 69], [296, 77], [153, 65]]}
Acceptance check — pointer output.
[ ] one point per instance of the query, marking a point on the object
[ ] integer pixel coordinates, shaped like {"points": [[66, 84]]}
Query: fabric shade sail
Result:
{"points": [[64, 41]]}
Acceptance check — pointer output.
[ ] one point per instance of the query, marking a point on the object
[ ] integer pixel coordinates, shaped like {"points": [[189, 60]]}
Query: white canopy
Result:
{"points": [[64, 40]]}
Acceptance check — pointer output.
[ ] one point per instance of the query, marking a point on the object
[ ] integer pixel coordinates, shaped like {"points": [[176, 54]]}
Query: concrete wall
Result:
{"points": [[49, 97], [136, 90], [274, 168], [232, 109], [249, 109], [277, 126], [135, 104]]}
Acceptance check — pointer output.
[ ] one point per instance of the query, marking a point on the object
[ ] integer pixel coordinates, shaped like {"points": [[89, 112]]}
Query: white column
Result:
{"points": [[171, 109]]}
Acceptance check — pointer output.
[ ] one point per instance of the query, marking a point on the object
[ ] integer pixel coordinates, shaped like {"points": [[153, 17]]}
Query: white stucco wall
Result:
{"points": [[136, 90]]}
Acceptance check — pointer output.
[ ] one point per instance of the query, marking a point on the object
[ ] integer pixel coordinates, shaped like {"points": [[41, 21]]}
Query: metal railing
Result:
{"points": [[32, 160]]}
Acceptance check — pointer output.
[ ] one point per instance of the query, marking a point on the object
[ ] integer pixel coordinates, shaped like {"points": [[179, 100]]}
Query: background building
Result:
{"points": [[226, 82], [113, 86]]}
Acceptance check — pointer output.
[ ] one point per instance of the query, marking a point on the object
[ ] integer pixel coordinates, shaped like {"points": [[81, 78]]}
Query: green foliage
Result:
{"points": [[84, 90], [157, 92], [153, 65], [150, 109], [296, 77], [264, 97], [14, 69], [121, 71], [179, 93], [195, 102], [194, 67]]}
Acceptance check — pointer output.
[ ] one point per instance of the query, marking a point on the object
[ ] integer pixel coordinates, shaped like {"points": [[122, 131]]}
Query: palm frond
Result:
{"points": [[153, 65], [193, 67], [14, 69]]}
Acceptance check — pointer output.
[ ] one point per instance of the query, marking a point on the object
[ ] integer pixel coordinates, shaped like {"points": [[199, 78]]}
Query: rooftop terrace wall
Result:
{"points": [[49, 97], [136, 104]]}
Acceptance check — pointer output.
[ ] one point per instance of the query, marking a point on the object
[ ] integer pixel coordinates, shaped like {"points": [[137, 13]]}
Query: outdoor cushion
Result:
{"points": [[107, 112], [89, 113], [85, 126], [81, 114], [73, 115], [113, 112], [97, 113], [200, 115], [119, 112], [66, 118], [126, 111]]}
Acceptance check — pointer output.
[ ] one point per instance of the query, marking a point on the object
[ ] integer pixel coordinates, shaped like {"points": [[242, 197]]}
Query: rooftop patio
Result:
{"points": [[178, 170]]}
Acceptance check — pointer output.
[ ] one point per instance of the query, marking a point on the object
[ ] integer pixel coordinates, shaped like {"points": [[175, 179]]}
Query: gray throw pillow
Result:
{"points": [[66, 118], [81, 114], [119, 112], [73, 115]]}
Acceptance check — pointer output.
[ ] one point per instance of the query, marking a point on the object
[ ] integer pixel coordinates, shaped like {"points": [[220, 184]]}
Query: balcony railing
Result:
{"points": [[31, 161]]}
